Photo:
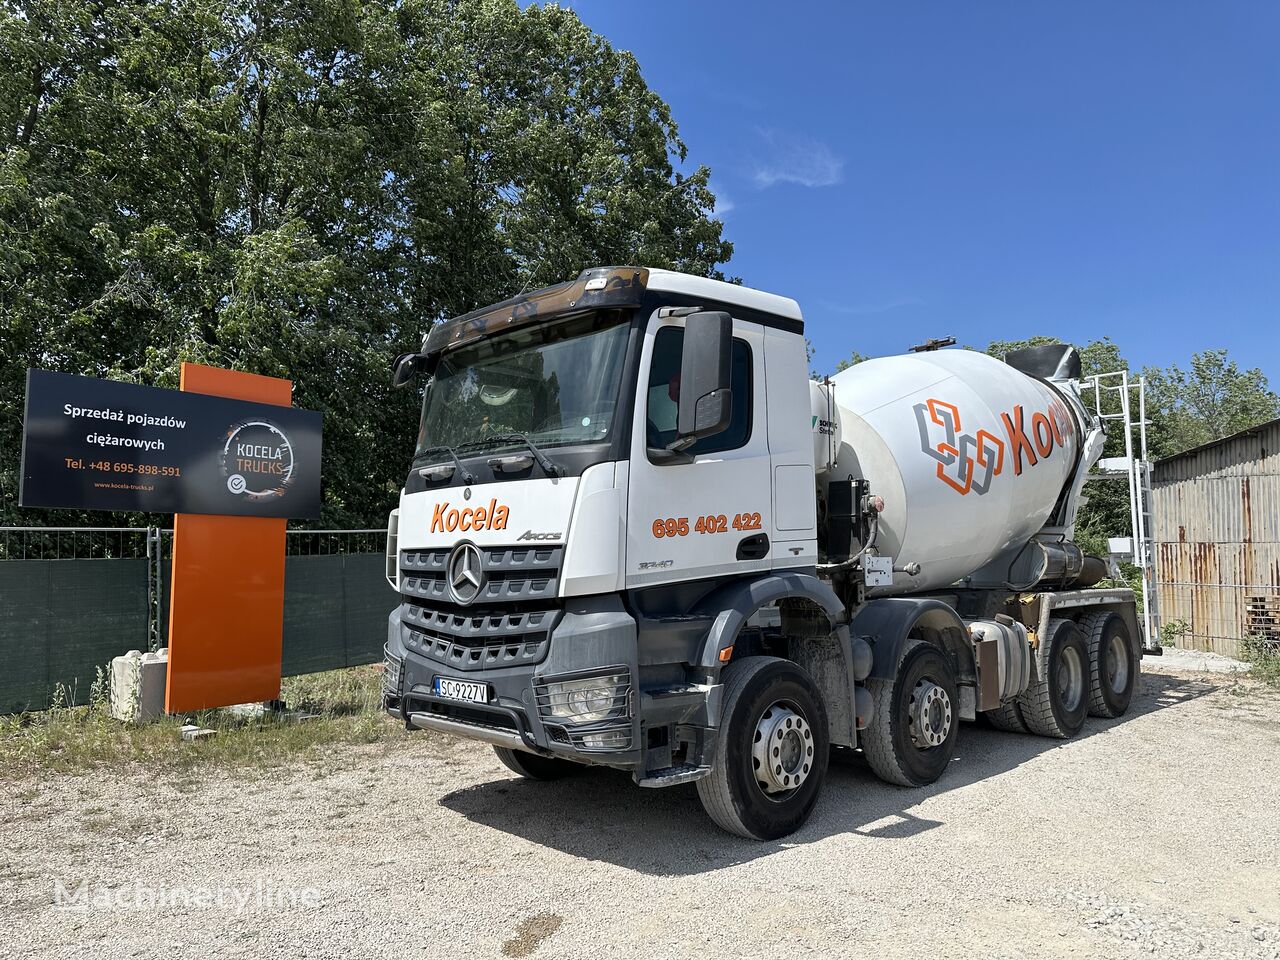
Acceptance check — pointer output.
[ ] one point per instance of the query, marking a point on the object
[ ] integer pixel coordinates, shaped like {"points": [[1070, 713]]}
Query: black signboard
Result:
{"points": [[105, 445]]}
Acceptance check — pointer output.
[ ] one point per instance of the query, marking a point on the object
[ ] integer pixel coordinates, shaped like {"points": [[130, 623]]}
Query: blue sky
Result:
{"points": [[988, 169]]}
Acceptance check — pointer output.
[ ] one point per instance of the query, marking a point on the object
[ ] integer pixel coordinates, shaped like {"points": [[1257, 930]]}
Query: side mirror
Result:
{"points": [[405, 368], [706, 400]]}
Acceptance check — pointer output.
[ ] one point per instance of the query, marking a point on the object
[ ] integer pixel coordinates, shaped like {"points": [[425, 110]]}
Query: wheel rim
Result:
{"points": [[1117, 664], [929, 715], [1070, 679], [782, 749]]}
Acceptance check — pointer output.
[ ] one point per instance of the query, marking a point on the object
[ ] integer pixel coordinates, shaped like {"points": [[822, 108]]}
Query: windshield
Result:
{"points": [[555, 382]]}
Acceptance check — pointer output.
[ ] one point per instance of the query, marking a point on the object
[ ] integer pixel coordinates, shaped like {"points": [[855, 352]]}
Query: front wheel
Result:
{"points": [[534, 766], [915, 720], [771, 750]]}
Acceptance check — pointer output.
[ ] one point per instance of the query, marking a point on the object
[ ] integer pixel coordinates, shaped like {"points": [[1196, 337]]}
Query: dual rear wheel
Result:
{"points": [[1082, 668]]}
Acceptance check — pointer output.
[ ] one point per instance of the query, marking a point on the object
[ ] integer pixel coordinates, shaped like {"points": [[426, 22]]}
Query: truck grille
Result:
{"points": [[469, 639], [511, 574], [508, 624]]}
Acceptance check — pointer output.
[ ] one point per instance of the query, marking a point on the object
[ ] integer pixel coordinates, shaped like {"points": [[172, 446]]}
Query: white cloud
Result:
{"points": [[795, 159]]}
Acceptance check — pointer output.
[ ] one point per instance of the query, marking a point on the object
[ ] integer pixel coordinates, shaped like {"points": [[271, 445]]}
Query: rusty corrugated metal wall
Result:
{"points": [[1216, 528]]}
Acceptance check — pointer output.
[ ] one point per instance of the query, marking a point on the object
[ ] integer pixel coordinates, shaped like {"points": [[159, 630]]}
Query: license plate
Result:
{"points": [[462, 690]]}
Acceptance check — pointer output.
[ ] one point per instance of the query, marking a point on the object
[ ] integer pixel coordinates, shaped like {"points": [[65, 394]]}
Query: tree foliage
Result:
{"points": [[1211, 400], [299, 188], [853, 359]]}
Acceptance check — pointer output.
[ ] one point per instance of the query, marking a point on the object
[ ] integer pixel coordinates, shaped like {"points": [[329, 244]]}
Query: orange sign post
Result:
{"points": [[226, 599]]}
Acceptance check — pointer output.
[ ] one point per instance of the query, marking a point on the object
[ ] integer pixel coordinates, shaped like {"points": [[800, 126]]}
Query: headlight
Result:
{"points": [[587, 700]]}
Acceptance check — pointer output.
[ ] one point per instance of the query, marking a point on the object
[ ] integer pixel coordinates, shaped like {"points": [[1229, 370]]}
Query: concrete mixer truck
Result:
{"points": [[634, 533]]}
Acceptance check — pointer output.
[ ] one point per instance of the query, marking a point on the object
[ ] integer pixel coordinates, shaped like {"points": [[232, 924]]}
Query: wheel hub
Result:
{"points": [[782, 749], [1117, 665], [1070, 679], [929, 715]]}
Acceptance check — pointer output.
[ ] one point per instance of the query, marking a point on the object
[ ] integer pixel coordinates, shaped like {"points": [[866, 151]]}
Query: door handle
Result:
{"points": [[753, 548]]}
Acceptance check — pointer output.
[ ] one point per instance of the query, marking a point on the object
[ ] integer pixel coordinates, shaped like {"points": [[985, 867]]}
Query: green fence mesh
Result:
{"points": [[62, 619]]}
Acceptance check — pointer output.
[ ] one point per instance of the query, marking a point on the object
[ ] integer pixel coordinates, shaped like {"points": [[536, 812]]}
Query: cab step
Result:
{"points": [[670, 776]]}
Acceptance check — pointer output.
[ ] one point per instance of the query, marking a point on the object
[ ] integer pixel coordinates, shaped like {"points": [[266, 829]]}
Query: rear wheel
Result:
{"points": [[1113, 665], [771, 751], [533, 766], [1006, 717], [914, 724], [1055, 703]]}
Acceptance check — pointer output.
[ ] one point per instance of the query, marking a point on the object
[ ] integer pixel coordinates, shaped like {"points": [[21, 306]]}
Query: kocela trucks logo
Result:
{"points": [[447, 518], [968, 462], [257, 460]]}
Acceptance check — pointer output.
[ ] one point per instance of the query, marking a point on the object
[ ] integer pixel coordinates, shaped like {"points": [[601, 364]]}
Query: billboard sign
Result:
{"points": [[105, 445]]}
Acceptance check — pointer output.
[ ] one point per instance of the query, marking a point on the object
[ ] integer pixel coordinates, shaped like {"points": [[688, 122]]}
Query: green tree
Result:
{"points": [[854, 358], [1212, 399], [301, 188]]}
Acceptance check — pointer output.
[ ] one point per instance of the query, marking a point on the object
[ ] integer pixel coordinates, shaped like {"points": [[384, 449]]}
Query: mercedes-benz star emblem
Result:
{"points": [[466, 572]]}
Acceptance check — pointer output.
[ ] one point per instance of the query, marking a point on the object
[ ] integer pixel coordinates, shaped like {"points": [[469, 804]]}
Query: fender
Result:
{"points": [[836, 664], [887, 623], [733, 605]]}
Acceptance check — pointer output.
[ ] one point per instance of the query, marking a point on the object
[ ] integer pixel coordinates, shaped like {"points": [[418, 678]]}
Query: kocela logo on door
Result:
{"points": [[970, 461], [448, 519]]}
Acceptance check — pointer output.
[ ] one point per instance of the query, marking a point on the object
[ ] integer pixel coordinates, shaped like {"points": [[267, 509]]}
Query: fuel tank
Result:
{"points": [[969, 454]]}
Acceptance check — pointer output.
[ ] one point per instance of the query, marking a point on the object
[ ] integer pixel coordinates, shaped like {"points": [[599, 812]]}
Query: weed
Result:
{"points": [[1173, 631], [1263, 656]]}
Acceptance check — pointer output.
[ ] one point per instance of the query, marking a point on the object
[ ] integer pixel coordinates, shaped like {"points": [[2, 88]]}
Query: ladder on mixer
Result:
{"points": [[1135, 468]]}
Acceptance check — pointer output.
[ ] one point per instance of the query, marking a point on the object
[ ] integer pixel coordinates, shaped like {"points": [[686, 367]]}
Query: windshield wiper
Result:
{"points": [[438, 472], [549, 466]]}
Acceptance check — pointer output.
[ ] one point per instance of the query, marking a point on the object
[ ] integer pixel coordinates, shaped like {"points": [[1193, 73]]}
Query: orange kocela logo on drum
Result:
{"points": [[968, 462]]}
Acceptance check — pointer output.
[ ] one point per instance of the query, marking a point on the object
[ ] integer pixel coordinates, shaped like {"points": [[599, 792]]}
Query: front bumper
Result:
{"points": [[662, 730], [593, 637]]}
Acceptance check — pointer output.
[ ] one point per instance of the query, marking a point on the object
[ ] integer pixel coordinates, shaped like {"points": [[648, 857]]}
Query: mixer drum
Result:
{"points": [[969, 454]]}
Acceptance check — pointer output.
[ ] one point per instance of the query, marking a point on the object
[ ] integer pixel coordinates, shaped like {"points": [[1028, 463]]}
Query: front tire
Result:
{"points": [[916, 718], [534, 766], [1113, 664], [1056, 702], [771, 750]]}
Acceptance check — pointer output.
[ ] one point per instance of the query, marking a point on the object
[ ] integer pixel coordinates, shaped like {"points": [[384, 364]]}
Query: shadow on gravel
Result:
{"points": [[602, 815]]}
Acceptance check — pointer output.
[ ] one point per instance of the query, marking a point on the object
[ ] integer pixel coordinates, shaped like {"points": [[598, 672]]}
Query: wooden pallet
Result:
{"points": [[1262, 618]]}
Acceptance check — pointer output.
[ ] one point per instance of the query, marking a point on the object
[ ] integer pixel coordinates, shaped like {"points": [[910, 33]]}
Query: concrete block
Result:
{"points": [[192, 732], [137, 686]]}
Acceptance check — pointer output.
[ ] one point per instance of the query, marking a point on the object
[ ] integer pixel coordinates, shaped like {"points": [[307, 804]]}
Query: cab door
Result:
{"points": [[707, 516]]}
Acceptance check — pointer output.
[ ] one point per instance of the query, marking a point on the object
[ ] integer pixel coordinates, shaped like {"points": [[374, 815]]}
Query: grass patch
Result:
{"points": [[80, 740], [1263, 657]]}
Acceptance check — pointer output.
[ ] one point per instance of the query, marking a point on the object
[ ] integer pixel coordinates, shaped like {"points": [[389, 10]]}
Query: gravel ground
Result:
{"points": [[1156, 835], [1176, 659]]}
